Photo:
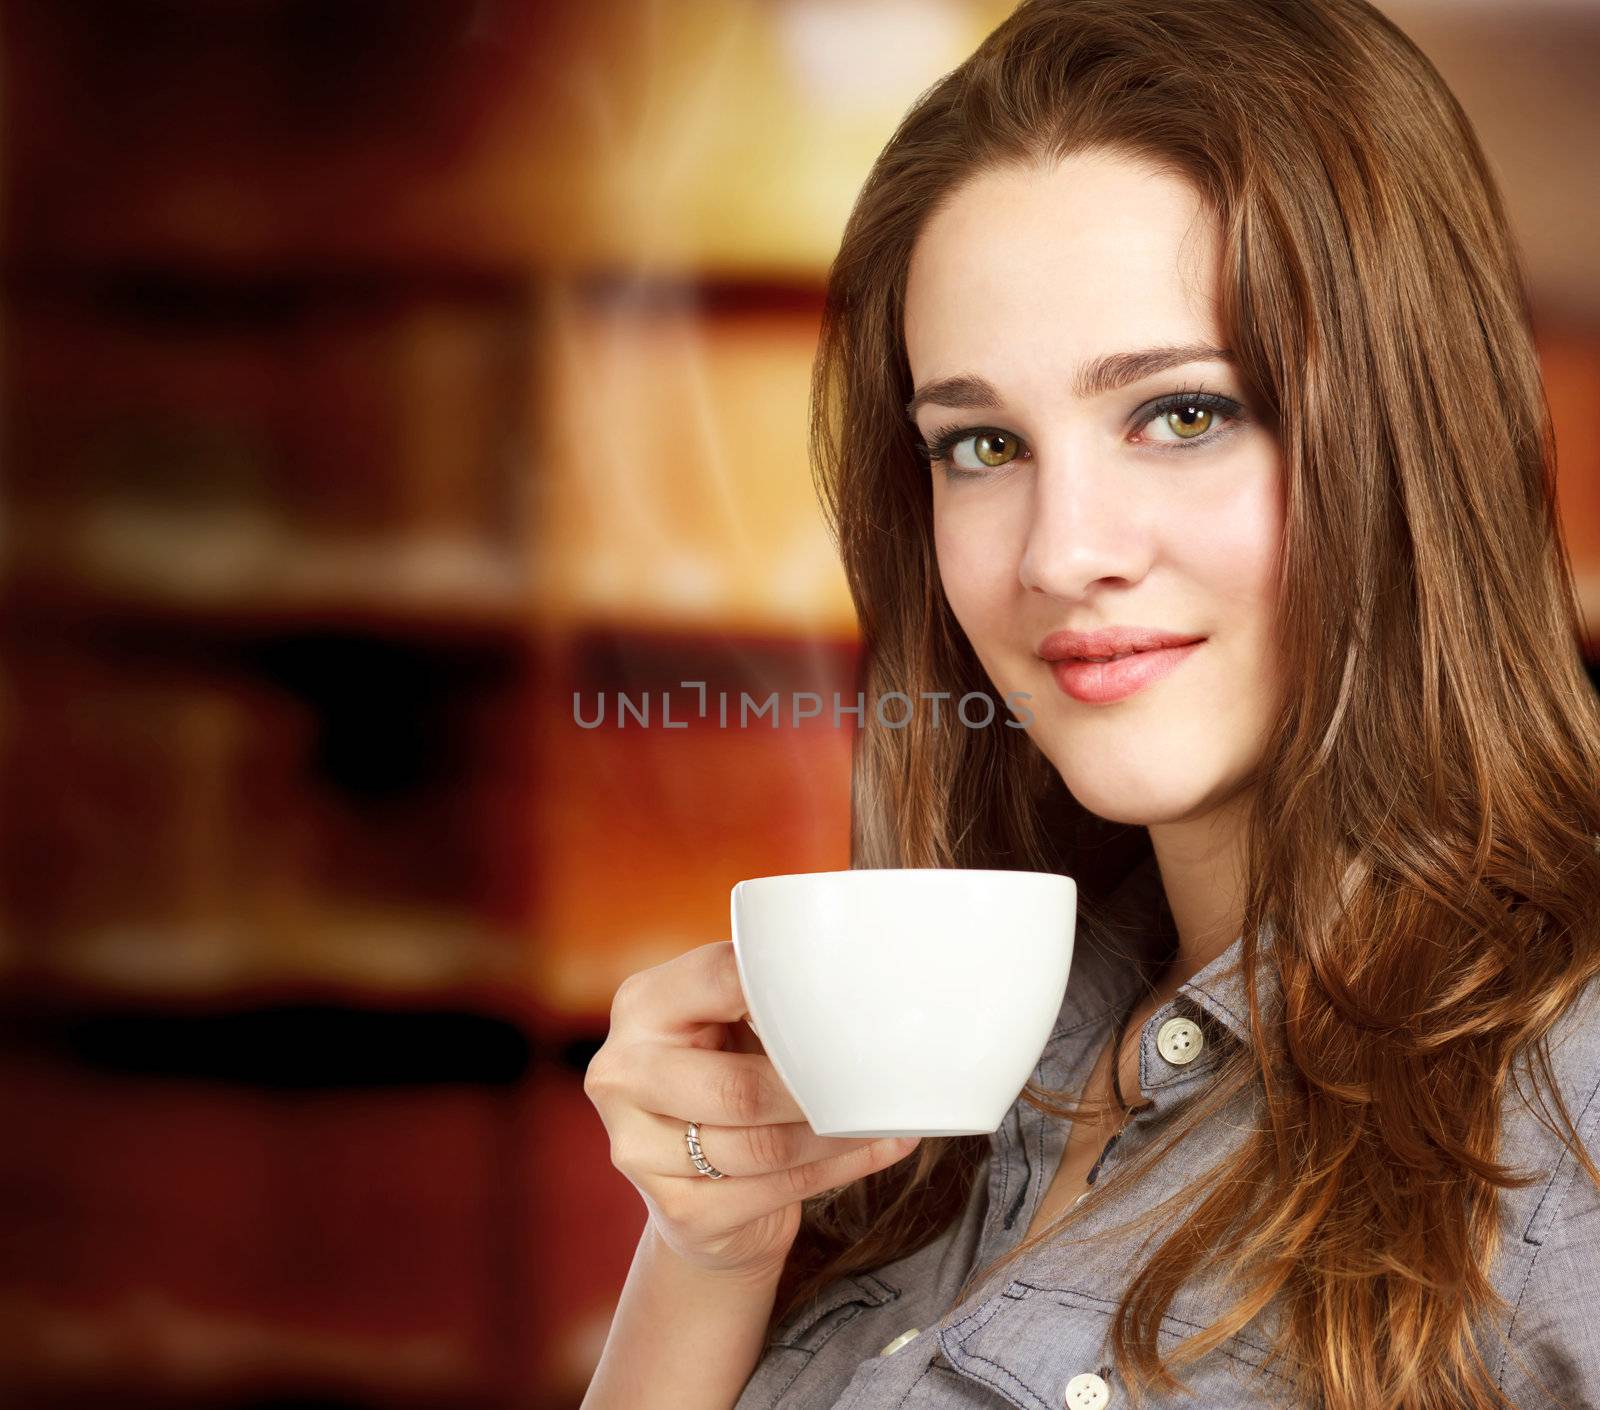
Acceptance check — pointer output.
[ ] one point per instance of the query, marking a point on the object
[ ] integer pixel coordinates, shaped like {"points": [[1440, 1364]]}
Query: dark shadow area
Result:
{"points": [[295, 1046]]}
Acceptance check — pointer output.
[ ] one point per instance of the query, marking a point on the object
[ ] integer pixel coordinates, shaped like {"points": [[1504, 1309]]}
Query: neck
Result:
{"points": [[1202, 866]]}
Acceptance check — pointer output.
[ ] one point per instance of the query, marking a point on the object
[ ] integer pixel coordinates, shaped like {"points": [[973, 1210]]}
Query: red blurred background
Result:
{"points": [[378, 377]]}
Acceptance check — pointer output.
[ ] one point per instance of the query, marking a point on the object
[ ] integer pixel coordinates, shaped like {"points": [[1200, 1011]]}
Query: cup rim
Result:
{"points": [[914, 871]]}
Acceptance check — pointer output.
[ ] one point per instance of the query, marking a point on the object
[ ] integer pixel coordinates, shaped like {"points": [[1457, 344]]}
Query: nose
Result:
{"points": [[1086, 529]]}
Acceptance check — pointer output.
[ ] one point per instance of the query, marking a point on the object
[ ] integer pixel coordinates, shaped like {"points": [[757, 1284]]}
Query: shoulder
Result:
{"points": [[1528, 1112], [1552, 1230], [1573, 1045]]}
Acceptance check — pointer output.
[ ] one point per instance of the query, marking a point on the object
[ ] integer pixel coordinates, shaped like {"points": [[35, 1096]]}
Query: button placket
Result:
{"points": [[1024, 1178], [1133, 1119]]}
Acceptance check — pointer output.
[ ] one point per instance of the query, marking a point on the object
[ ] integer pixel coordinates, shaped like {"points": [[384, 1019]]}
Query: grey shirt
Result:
{"points": [[896, 1339]]}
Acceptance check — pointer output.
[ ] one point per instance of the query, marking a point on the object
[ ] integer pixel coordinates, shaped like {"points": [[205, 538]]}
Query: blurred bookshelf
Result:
{"points": [[384, 386], [290, 753], [346, 446]]}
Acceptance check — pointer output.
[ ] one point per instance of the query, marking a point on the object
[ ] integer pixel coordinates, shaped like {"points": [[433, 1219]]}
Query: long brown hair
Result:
{"points": [[1422, 824]]}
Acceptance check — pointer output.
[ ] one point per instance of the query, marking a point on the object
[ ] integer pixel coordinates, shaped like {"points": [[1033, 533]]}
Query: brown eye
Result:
{"points": [[994, 447], [1190, 418], [1189, 421]]}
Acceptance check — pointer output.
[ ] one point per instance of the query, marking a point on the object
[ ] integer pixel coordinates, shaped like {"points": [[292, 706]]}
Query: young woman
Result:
{"points": [[1188, 334]]}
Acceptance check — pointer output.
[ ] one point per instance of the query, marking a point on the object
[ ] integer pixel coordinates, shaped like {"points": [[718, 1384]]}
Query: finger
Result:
{"points": [[736, 1202], [659, 1146], [715, 1086], [742, 1037], [686, 993]]}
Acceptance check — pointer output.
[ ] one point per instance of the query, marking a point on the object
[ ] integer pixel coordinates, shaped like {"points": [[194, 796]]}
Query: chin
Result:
{"points": [[1144, 793], [1141, 811]]}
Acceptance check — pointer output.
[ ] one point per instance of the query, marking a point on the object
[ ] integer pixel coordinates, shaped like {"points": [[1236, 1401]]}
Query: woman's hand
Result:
{"points": [[678, 1052]]}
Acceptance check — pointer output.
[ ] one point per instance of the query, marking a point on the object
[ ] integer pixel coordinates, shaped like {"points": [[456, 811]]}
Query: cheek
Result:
{"points": [[1233, 543], [1233, 548], [975, 567]]}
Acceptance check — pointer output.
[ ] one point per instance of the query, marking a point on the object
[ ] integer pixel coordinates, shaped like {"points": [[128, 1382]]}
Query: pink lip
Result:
{"points": [[1111, 641], [1154, 654], [1098, 683]]}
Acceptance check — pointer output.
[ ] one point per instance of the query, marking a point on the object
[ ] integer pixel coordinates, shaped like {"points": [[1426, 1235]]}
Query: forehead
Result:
{"points": [[1024, 272]]}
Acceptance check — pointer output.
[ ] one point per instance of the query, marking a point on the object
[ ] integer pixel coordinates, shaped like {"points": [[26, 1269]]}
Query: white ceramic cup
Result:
{"points": [[907, 1001]]}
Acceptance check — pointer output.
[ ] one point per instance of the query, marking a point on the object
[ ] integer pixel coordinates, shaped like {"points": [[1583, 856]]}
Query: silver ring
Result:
{"points": [[704, 1166]]}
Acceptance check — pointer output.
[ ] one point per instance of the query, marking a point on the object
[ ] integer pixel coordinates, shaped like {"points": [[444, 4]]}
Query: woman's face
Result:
{"points": [[1087, 488]]}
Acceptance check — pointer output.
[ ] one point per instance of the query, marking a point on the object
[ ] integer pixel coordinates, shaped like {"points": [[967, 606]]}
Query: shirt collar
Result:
{"points": [[1220, 989]]}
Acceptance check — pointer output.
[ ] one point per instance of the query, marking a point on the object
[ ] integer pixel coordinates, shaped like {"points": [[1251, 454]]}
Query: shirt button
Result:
{"points": [[1180, 1041], [1087, 1392], [898, 1342]]}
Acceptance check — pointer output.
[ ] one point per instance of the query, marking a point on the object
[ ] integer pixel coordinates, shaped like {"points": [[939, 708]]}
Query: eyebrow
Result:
{"points": [[1095, 377]]}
